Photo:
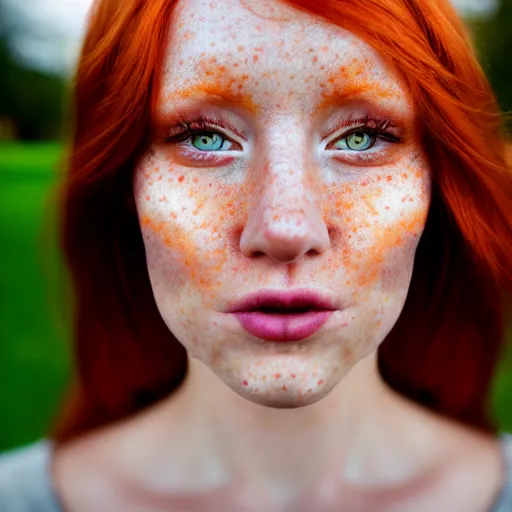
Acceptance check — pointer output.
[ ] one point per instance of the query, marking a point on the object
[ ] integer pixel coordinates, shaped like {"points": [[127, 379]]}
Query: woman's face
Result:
{"points": [[301, 174]]}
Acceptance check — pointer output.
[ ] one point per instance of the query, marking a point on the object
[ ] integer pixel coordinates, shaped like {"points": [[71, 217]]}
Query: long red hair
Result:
{"points": [[444, 348]]}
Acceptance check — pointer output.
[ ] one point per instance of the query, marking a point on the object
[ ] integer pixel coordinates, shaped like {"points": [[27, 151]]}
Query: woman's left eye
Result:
{"points": [[210, 141], [356, 141]]}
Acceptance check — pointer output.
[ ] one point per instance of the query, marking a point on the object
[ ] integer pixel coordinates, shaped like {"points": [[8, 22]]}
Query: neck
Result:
{"points": [[285, 450]]}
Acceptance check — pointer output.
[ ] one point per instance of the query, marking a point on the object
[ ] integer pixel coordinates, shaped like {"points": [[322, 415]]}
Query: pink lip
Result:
{"points": [[257, 317]]}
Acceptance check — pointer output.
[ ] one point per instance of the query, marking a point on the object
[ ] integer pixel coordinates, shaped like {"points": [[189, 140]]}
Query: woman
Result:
{"points": [[288, 226]]}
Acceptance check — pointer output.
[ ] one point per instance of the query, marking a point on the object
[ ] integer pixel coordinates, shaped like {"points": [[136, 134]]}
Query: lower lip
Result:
{"points": [[283, 327]]}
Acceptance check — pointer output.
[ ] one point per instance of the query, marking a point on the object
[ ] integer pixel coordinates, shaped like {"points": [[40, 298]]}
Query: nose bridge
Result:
{"points": [[285, 188], [285, 220]]}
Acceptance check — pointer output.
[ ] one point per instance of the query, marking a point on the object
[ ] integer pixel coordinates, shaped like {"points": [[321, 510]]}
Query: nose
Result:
{"points": [[285, 221]]}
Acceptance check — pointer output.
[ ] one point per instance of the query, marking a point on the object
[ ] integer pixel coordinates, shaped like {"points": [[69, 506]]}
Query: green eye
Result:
{"points": [[357, 141], [208, 141]]}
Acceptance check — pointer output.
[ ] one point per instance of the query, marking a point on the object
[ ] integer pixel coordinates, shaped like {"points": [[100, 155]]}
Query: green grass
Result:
{"points": [[33, 353], [34, 358]]}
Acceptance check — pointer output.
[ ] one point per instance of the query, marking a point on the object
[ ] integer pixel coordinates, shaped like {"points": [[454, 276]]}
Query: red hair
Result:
{"points": [[445, 346]]}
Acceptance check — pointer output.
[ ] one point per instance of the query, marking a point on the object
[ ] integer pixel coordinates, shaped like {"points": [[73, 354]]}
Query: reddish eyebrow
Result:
{"points": [[194, 104], [354, 91], [222, 88], [226, 90]]}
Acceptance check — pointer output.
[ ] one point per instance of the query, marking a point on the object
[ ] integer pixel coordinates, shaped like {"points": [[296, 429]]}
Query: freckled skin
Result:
{"points": [[279, 210]]}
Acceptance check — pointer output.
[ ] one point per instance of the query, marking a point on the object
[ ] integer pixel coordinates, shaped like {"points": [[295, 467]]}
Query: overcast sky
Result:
{"points": [[54, 28]]}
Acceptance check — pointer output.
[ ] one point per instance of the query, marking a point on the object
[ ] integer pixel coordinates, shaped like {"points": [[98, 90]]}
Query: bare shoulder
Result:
{"points": [[473, 465], [459, 467], [86, 471], [103, 470]]}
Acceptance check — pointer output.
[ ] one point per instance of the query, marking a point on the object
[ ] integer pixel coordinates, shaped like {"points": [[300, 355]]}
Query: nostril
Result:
{"points": [[258, 254], [313, 252]]}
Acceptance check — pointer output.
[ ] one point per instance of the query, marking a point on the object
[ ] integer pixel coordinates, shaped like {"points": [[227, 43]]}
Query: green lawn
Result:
{"points": [[33, 356], [34, 359]]}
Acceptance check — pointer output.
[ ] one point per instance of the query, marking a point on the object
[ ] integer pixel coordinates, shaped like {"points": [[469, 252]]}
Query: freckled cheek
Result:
{"points": [[379, 227], [186, 227]]}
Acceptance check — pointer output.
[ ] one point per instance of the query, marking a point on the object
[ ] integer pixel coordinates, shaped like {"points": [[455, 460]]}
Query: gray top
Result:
{"points": [[25, 482]]}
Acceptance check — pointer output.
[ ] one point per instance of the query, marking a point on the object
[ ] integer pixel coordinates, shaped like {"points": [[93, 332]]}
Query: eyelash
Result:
{"points": [[376, 128]]}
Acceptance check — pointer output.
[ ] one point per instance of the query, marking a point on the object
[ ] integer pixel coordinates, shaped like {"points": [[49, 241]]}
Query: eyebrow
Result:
{"points": [[188, 100], [220, 94]]}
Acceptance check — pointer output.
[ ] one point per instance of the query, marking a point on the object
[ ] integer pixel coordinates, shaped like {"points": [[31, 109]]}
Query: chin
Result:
{"points": [[280, 399]]}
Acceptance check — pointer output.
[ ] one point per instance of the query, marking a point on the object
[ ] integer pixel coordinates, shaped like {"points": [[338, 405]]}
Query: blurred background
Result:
{"points": [[39, 45]]}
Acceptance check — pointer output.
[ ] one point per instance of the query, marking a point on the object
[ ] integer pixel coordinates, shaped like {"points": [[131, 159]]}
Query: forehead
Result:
{"points": [[268, 50]]}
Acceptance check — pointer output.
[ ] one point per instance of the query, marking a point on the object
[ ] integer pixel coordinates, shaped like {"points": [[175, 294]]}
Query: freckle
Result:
{"points": [[181, 179], [310, 391], [235, 65], [240, 48], [212, 44], [314, 374], [264, 377], [322, 67], [389, 178], [277, 375], [245, 383], [284, 388]]}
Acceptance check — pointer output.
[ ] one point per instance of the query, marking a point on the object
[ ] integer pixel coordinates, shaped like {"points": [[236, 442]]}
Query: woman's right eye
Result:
{"points": [[210, 141]]}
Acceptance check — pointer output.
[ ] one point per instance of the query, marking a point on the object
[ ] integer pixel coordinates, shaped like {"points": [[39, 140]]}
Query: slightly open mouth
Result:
{"points": [[284, 311]]}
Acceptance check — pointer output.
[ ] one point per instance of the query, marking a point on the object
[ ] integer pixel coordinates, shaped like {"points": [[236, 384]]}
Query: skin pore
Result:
{"points": [[286, 156]]}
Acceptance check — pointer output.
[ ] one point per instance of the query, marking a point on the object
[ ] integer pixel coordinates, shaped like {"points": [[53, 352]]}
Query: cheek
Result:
{"points": [[185, 222], [380, 221]]}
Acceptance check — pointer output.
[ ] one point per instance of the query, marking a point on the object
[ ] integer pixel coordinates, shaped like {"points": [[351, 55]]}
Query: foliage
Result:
{"points": [[494, 44]]}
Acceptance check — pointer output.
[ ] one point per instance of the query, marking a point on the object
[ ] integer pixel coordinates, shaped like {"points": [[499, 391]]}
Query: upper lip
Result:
{"points": [[283, 300]]}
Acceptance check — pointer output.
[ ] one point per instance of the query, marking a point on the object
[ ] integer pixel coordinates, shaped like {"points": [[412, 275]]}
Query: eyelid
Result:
{"points": [[379, 126], [206, 123]]}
